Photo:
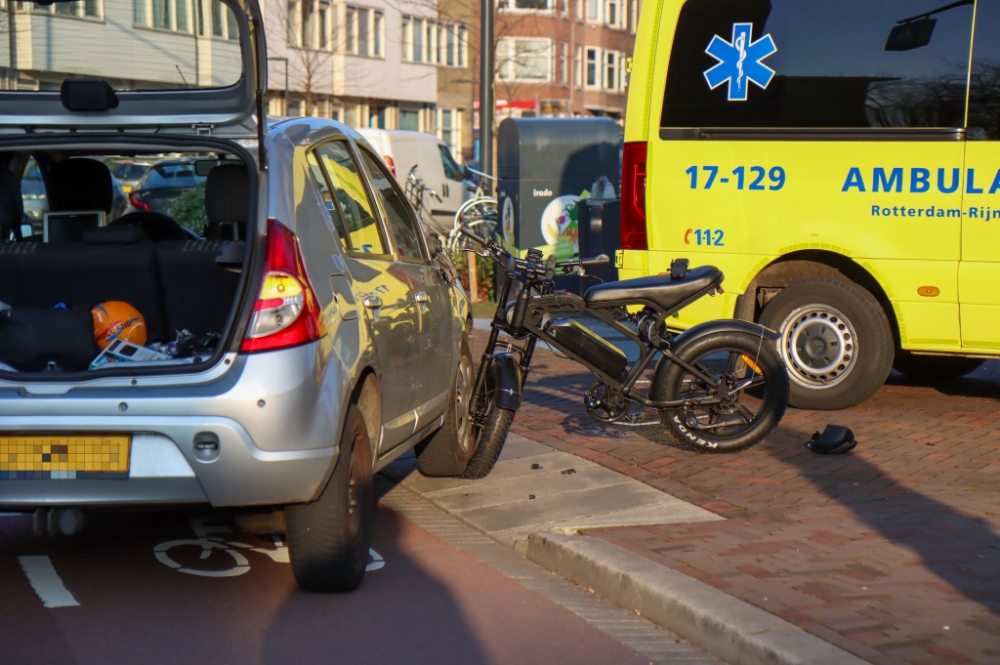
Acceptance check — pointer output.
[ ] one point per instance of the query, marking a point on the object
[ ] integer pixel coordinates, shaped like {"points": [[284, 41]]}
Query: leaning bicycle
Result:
{"points": [[719, 387], [478, 216]]}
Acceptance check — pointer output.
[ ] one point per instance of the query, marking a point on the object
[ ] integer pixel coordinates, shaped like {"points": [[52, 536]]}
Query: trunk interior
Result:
{"points": [[95, 278]]}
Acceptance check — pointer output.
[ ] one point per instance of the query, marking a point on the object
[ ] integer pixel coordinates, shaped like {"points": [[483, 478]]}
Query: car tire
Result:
{"points": [[328, 539], [835, 341], [447, 451], [934, 368]]}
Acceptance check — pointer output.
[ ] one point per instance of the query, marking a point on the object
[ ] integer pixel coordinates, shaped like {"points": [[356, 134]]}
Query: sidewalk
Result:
{"points": [[538, 499], [890, 553]]}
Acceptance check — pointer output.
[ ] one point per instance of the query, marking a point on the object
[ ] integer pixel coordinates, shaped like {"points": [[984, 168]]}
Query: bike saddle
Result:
{"points": [[661, 291]]}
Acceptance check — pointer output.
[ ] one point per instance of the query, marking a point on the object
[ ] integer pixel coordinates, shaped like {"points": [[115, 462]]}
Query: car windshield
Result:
{"points": [[172, 175], [130, 171], [132, 44]]}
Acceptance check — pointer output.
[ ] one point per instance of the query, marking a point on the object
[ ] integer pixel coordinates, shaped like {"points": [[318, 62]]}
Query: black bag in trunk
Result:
{"points": [[32, 338]]}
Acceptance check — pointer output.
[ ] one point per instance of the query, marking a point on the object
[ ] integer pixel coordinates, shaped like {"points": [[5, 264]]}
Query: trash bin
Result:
{"points": [[544, 167]]}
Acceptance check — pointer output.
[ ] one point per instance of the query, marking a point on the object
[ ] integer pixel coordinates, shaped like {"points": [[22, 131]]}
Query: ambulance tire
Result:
{"points": [[835, 340], [934, 368]]}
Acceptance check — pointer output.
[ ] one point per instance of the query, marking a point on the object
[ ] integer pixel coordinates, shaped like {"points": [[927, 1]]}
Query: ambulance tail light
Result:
{"points": [[633, 210], [287, 312]]}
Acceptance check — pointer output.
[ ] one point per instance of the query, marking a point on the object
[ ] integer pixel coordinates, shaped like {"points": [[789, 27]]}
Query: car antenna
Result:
{"points": [[182, 75]]}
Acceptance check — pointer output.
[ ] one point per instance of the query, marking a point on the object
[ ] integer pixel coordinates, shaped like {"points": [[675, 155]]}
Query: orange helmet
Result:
{"points": [[118, 320]]}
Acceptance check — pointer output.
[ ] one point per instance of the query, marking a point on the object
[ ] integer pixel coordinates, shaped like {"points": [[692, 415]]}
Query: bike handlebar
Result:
{"points": [[532, 269]]}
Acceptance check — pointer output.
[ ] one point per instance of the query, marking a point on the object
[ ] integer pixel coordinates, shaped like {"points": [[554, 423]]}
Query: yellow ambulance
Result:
{"points": [[839, 160]]}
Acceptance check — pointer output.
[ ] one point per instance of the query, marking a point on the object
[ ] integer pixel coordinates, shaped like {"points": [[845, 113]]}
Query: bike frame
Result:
{"points": [[535, 301]]}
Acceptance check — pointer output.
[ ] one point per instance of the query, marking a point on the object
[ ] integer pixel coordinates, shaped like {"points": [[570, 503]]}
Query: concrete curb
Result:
{"points": [[722, 625]]}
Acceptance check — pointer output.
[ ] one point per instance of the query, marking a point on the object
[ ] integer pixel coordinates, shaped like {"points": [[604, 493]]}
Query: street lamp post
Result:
{"points": [[285, 103], [487, 106]]}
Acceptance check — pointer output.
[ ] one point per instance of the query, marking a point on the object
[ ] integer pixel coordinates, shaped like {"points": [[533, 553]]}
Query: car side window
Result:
{"points": [[396, 209], [347, 201], [452, 170]]}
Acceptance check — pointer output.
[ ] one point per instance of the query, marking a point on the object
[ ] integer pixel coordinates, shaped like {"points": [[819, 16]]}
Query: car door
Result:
{"points": [[979, 270], [429, 290], [378, 283]]}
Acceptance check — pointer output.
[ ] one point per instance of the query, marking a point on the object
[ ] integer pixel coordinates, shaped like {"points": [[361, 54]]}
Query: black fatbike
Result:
{"points": [[719, 387]]}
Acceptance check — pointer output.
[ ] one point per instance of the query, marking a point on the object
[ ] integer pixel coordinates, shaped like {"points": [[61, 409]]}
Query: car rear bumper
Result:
{"points": [[166, 468]]}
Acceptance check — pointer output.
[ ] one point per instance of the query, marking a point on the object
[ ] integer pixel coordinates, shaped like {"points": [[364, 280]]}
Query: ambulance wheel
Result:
{"points": [[835, 341]]}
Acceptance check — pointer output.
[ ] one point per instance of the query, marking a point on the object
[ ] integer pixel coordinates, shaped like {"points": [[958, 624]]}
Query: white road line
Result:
{"points": [[11, 514], [46, 582]]}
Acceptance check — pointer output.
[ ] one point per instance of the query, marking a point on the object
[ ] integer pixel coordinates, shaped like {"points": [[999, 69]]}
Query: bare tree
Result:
{"points": [[310, 36]]}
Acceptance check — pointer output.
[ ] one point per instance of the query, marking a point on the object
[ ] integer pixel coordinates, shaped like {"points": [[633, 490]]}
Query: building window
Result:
{"points": [[363, 31], [174, 15], [82, 9], [352, 30], [409, 120], [610, 70], [612, 13], [593, 10], [463, 41], [524, 59], [218, 25], [526, 5], [450, 59], [418, 40], [592, 68], [377, 37], [564, 63], [633, 16]]}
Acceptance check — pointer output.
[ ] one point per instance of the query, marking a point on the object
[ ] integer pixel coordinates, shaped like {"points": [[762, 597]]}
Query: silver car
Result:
{"points": [[310, 335]]}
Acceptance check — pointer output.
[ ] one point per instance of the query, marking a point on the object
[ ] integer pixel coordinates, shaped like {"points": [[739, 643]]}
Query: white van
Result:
{"points": [[402, 150]]}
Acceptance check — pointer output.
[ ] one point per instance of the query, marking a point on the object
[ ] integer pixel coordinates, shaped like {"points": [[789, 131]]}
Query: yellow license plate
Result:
{"points": [[69, 457]]}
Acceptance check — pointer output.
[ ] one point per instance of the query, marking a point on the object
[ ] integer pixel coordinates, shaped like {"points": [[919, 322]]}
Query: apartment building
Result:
{"points": [[391, 65], [563, 58]]}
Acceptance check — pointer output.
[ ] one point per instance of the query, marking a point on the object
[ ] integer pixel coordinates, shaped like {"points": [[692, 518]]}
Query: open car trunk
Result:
{"points": [[100, 286]]}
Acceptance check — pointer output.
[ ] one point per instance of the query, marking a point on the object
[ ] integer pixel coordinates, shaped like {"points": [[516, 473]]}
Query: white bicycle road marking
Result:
{"points": [[377, 562], [46, 582], [210, 544]]}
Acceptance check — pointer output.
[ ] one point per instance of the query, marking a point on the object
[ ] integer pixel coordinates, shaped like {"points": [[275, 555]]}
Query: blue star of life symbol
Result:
{"points": [[740, 61]]}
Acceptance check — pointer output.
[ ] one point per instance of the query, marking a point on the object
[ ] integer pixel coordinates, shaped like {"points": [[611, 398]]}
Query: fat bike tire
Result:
{"points": [[490, 444], [672, 382]]}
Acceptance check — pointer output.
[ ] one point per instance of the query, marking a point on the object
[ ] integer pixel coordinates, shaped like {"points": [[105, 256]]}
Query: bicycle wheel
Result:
{"points": [[753, 374]]}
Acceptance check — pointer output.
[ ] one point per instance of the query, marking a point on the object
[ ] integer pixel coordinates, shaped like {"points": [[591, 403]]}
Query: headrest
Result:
{"points": [[226, 193], [80, 184], [11, 205], [114, 235]]}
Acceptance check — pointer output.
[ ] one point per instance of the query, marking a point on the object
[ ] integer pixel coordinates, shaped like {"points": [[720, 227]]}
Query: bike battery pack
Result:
{"points": [[585, 343]]}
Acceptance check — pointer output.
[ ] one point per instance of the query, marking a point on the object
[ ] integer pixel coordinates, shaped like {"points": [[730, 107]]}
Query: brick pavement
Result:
{"points": [[890, 552]]}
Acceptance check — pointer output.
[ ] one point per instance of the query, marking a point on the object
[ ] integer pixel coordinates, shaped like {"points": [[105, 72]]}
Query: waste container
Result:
{"points": [[544, 167]]}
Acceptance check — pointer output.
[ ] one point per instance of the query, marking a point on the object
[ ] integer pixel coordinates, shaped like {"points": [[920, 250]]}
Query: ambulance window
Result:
{"points": [[984, 92], [834, 66]]}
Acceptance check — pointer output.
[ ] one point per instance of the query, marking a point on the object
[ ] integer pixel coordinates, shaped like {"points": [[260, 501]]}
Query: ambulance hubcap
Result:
{"points": [[819, 346]]}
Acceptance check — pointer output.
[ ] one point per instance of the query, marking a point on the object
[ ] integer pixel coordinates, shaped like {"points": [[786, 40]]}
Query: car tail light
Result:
{"points": [[391, 164], [286, 312], [634, 197], [137, 203]]}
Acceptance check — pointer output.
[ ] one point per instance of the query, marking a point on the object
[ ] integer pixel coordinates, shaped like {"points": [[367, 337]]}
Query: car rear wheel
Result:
{"points": [[447, 451], [835, 341], [328, 539]]}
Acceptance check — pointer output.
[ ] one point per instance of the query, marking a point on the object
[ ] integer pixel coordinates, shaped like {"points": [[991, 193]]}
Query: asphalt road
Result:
{"points": [[427, 603]]}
